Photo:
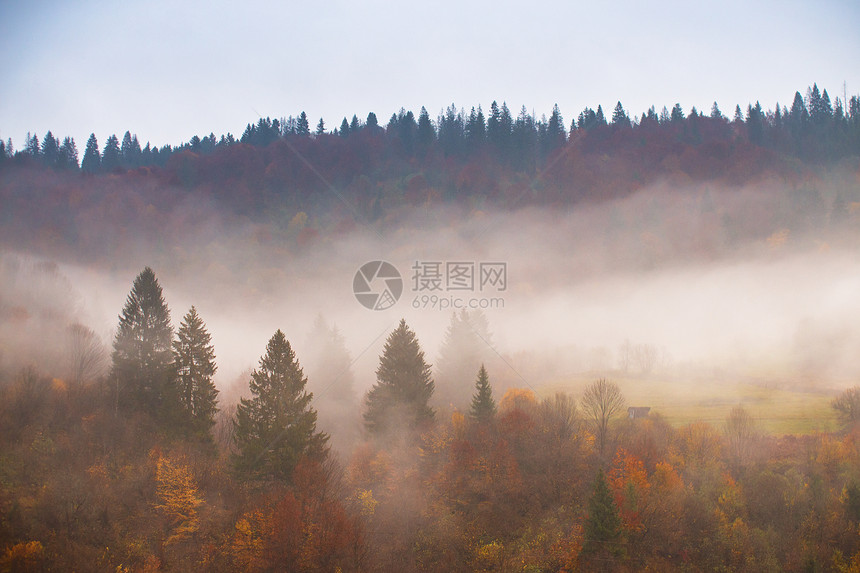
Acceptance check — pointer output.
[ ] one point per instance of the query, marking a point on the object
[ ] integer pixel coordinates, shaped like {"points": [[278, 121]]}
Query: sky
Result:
{"points": [[168, 70]]}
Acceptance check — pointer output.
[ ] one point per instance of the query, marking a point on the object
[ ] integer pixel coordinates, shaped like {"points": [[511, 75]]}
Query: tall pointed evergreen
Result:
{"points": [[403, 386], [603, 535], [91, 163], [194, 358], [142, 357], [483, 404], [111, 158], [276, 427]]}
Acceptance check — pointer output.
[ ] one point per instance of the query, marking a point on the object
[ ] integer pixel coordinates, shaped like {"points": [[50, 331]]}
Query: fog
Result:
{"points": [[727, 279]]}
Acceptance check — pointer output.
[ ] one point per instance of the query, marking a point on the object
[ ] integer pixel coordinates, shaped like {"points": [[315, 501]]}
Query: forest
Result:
{"points": [[444, 444]]}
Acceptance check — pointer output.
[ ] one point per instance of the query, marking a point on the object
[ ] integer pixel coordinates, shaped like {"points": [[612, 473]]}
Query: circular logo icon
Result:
{"points": [[377, 285]]}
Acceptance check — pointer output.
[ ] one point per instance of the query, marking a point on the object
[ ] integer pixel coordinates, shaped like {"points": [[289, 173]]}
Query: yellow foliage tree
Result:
{"points": [[178, 496]]}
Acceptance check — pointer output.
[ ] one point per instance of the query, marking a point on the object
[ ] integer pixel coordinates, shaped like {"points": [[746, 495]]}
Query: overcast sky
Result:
{"points": [[167, 70]]}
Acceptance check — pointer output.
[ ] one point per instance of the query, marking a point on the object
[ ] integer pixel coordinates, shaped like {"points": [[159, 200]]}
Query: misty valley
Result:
{"points": [[468, 343]]}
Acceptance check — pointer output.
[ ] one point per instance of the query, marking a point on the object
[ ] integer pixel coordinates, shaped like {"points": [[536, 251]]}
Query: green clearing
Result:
{"points": [[779, 410]]}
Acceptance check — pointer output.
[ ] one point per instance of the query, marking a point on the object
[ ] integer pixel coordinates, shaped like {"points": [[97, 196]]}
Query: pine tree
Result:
{"points": [[426, 132], [194, 359], [50, 150], [276, 427], [91, 163], [344, 128], [32, 147], [142, 358], [320, 127], [465, 347], [372, 123], [483, 404], [110, 156], [130, 150], [403, 386], [715, 112], [603, 535], [619, 116], [330, 377], [68, 154], [302, 125]]}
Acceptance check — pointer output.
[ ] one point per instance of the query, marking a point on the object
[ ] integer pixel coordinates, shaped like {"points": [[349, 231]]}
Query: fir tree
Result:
{"points": [[426, 132], [465, 347], [194, 358], [302, 125], [91, 162], [111, 156], [715, 112], [619, 116], [32, 147], [276, 427], [142, 358], [603, 535], [483, 404], [329, 367], [403, 385], [68, 154], [372, 123], [50, 150]]}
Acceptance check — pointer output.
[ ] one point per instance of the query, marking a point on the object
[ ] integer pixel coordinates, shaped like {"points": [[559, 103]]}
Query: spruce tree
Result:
{"points": [[276, 427], [483, 404], [603, 535], [403, 386], [194, 358], [111, 155], [467, 344], [302, 125], [426, 132], [142, 358], [329, 367], [68, 154], [50, 150]]}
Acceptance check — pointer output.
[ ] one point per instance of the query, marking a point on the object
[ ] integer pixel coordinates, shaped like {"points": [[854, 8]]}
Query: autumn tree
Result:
{"points": [[741, 433], [178, 498], [403, 386], [194, 358], [142, 358], [483, 404], [601, 401], [276, 427]]}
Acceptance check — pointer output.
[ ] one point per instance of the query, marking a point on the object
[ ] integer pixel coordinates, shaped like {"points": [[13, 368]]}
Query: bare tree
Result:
{"points": [[741, 433], [625, 356], [559, 416], [87, 355], [646, 356], [847, 405], [601, 401]]}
